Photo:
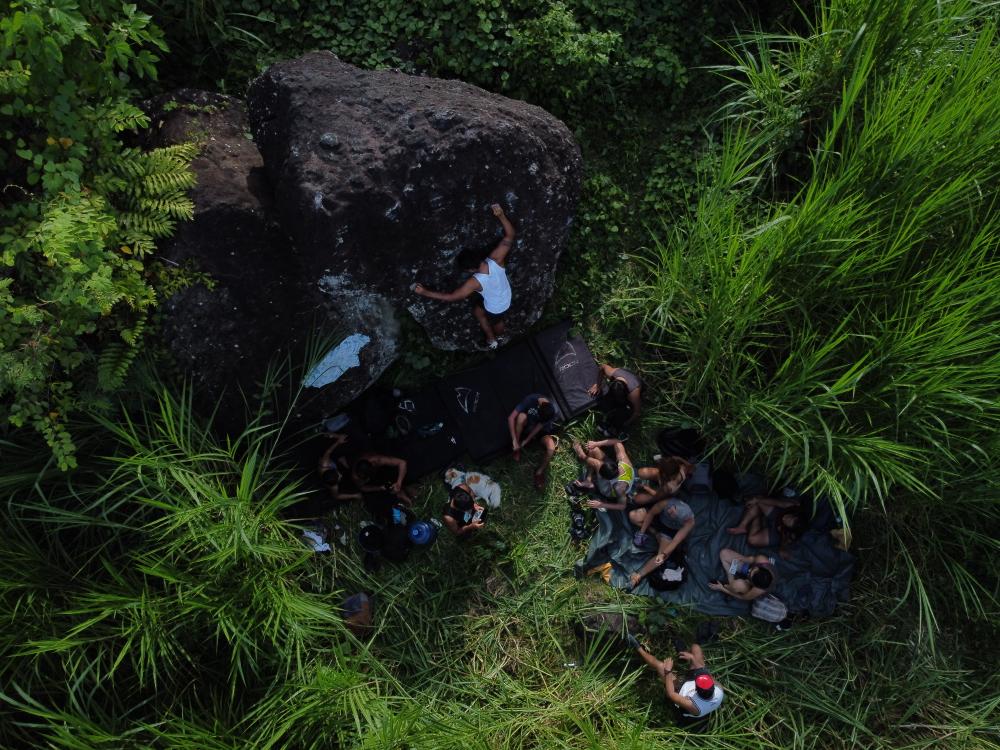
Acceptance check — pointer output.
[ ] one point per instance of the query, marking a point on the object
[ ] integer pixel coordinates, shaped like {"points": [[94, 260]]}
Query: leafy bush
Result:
{"points": [[80, 211]]}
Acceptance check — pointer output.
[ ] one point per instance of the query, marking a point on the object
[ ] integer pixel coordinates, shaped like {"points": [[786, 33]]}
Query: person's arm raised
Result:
{"points": [[466, 290], [499, 253]]}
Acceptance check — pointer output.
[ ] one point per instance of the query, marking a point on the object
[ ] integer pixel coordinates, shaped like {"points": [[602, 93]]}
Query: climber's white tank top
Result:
{"points": [[496, 288]]}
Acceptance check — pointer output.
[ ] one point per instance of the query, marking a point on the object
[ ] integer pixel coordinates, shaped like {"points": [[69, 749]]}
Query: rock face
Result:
{"points": [[383, 178], [261, 302], [369, 182], [224, 337]]}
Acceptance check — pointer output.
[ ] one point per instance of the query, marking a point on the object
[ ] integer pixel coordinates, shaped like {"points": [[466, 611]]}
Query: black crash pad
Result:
{"points": [[571, 366], [425, 409], [473, 405]]}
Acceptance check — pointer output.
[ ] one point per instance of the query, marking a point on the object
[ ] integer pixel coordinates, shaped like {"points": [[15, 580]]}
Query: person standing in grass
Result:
{"points": [[488, 279], [699, 694], [535, 416]]}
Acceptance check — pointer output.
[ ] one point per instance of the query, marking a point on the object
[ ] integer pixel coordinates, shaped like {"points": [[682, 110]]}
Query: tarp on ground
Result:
{"points": [[815, 579], [474, 406]]}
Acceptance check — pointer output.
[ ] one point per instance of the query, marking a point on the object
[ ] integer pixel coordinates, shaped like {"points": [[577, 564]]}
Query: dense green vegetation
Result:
{"points": [[80, 209], [803, 248]]}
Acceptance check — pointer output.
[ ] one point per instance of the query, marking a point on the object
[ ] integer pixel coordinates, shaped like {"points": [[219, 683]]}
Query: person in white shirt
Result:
{"points": [[489, 280], [698, 696]]}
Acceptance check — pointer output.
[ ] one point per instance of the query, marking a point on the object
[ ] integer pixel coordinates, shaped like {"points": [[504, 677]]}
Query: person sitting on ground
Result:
{"points": [[699, 694], [769, 522], [489, 279], [672, 521], [621, 399], [462, 515], [748, 577], [380, 479], [662, 480], [617, 471], [334, 470], [374, 471], [534, 416]]}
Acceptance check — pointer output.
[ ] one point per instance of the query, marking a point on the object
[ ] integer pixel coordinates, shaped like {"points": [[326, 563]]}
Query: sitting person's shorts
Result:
{"points": [[546, 430]]}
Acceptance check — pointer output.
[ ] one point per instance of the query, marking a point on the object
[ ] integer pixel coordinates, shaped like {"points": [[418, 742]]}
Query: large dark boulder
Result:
{"points": [[382, 178], [222, 332], [256, 302]]}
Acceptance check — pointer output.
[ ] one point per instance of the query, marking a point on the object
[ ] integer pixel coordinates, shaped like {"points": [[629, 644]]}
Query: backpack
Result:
{"points": [[769, 608], [680, 441]]}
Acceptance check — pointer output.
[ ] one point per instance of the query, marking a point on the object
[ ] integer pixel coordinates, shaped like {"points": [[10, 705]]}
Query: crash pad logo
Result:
{"points": [[468, 399], [566, 357]]}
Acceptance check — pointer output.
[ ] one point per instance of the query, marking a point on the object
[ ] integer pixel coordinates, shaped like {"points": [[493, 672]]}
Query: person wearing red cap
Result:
{"points": [[698, 695]]}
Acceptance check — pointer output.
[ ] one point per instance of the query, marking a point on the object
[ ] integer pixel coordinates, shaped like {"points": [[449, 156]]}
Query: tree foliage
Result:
{"points": [[79, 209]]}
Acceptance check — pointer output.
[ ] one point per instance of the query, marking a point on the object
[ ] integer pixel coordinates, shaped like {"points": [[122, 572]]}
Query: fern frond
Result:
{"points": [[153, 225], [132, 335], [113, 364]]}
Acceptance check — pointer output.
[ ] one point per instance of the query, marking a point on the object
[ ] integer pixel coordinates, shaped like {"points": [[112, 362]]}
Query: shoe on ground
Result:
{"points": [[493, 345]]}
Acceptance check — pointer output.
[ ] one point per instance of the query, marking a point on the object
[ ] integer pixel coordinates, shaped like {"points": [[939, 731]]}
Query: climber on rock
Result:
{"points": [[489, 279]]}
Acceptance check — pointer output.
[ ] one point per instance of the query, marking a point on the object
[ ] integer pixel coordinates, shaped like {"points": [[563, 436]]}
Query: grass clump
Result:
{"points": [[839, 326]]}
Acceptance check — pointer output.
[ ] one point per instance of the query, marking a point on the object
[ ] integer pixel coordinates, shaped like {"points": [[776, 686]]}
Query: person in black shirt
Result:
{"points": [[534, 416], [462, 515]]}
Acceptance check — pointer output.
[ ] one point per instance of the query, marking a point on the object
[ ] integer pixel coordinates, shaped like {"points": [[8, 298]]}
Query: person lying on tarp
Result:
{"points": [[615, 469], [672, 521], [748, 577], [662, 480], [489, 279], [770, 522], [334, 469], [620, 399], [535, 416], [462, 515]]}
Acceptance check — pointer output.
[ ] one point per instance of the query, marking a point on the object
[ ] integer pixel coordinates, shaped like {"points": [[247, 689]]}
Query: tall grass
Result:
{"points": [[840, 329], [162, 601]]}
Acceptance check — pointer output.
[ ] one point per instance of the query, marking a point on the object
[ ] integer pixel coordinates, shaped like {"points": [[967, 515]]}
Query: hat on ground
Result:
{"points": [[705, 685]]}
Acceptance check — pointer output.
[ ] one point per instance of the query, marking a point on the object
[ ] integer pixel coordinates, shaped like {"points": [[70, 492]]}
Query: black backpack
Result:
{"points": [[680, 441]]}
